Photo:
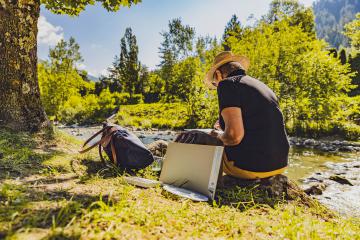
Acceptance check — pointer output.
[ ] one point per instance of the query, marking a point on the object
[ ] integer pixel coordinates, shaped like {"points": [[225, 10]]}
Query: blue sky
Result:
{"points": [[98, 32]]}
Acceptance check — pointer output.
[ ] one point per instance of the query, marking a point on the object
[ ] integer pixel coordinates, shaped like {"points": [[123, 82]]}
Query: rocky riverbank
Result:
{"points": [[325, 145], [338, 187], [150, 135]]}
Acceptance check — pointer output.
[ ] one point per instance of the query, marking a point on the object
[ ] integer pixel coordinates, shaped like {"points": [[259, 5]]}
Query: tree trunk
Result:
{"points": [[20, 104]]}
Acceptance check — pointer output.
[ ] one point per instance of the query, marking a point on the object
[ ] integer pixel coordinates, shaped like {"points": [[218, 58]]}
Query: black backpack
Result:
{"points": [[124, 149]]}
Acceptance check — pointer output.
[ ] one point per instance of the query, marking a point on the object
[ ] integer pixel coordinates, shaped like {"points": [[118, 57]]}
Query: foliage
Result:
{"points": [[61, 68], [154, 115], [352, 31], [126, 68], [232, 29], [302, 74], [177, 45], [74, 7], [294, 13], [331, 17]]}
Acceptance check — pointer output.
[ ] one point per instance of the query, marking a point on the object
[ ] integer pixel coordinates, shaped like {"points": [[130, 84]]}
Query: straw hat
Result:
{"points": [[221, 59]]}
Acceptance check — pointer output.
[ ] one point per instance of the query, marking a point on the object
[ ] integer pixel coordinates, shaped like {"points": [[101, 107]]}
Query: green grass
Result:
{"points": [[154, 115], [79, 199]]}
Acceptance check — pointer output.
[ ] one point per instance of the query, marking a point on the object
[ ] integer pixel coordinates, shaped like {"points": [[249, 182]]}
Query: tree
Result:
{"points": [[232, 29], [352, 31], [311, 84], [342, 56], [126, 68], [20, 104], [177, 45], [58, 78], [65, 55], [297, 14]]}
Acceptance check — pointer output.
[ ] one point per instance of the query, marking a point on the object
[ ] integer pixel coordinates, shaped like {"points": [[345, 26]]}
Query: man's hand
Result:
{"points": [[198, 137], [217, 125], [215, 133]]}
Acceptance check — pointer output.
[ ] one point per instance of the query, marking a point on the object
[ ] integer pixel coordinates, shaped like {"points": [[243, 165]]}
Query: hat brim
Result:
{"points": [[244, 62]]}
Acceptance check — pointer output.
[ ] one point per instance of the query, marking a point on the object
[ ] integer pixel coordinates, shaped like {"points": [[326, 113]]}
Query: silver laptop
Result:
{"points": [[191, 170]]}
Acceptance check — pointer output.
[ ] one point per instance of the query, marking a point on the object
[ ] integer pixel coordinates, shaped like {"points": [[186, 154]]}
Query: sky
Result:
{"points": [[98, 32]]}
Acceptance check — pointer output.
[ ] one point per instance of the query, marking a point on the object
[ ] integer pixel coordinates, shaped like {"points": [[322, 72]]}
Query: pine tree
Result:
{"points": [[342, 56], [126, 68], [232, 29]]}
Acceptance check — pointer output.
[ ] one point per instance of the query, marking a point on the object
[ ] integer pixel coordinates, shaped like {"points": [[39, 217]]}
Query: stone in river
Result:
{"points": [[340, 180], [310, 142], [158, 148], [316, 189]]}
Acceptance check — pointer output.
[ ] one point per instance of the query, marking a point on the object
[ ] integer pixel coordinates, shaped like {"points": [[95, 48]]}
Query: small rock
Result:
{"points": [[346, 149], [340, 180], [310, 142], [315, 189], [158, 148]]}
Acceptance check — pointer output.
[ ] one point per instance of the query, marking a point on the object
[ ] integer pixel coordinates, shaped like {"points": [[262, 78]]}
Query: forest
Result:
{"points": [[317, 85]]}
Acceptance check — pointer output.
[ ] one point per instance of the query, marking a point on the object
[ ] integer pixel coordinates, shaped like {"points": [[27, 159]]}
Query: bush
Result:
{"points": [[121, 98], [136, 99], [154, 115]]}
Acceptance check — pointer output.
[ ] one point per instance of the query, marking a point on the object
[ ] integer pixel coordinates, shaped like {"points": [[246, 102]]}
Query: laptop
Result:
{"points": [[191, 170]]}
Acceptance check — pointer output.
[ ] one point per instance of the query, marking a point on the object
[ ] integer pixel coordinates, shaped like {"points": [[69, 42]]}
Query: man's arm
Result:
{"points": [[234, 127]]}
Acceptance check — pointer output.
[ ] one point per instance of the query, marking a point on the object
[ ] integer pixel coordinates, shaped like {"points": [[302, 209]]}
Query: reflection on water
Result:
{"points": [[303, 162]]}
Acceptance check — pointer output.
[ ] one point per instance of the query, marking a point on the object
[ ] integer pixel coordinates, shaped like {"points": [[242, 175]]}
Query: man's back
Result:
{"points": [[265, 146]]}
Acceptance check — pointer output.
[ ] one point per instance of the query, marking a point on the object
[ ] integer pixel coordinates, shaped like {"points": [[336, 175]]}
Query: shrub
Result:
{"points": [[154, 115]]}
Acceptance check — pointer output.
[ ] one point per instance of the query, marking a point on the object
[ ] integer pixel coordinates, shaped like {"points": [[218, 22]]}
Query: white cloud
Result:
{"points": [[81, 66], [49, 34], [98, 73]]}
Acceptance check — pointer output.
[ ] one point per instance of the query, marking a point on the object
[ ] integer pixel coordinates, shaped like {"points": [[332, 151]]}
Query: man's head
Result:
{"points": [[225, 70], [225, 63]]}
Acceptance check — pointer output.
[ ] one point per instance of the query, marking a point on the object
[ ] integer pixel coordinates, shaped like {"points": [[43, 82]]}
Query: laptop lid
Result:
{"points": [[193, 167]]}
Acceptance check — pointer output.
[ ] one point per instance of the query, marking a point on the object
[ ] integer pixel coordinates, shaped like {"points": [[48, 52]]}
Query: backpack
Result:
{"points": [[124, 149]]}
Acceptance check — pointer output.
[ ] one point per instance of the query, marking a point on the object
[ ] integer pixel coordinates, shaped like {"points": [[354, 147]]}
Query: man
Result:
{"points": [[256, 145]]}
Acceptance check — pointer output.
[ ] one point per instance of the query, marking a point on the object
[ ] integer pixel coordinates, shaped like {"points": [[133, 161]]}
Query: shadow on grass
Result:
{"points": [[23, 208], [23, 154]]}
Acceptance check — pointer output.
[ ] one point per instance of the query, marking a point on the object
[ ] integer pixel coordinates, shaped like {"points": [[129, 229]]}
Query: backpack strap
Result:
{"points": [[101, 141], [113, 153]]}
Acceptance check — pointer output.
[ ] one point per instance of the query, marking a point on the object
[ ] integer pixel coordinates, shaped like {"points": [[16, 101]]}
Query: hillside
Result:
{"points": [[330, 18]]}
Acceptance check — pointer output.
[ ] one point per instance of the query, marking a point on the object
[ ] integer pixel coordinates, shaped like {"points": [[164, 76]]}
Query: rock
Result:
{"points": [[276, 186], [340, 180], [158, 148], [310, 142], [347, 149], [316, 189]]}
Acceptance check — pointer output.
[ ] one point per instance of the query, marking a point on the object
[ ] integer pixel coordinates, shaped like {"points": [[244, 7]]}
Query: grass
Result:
{"points": [[48, 191], [154, 115]]}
